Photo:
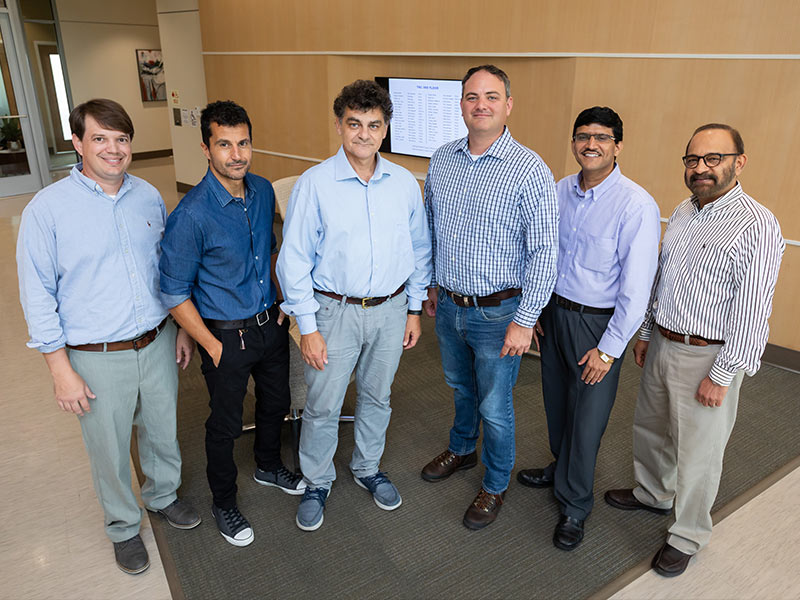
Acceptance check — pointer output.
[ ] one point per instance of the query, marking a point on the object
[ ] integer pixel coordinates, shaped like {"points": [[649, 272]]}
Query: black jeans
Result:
{"points": [[266, 357]]}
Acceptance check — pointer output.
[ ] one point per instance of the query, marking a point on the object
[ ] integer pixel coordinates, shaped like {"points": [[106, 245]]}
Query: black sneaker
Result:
{"points": [[131, 555], [232, 525], [282, 478]]}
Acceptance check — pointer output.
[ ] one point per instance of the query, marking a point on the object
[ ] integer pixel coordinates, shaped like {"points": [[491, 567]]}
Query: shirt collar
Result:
{"points": [[344, 170], [219, 192], [77, 176], [499, 148], [720, 202], [601, 188]]}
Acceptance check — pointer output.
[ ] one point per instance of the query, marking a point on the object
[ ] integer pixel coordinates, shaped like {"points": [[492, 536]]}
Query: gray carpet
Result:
{"points": [[421, 550]]}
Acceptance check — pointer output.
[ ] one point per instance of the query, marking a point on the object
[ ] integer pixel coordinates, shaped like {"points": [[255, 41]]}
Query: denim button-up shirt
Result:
{"points": [[217, 250]]}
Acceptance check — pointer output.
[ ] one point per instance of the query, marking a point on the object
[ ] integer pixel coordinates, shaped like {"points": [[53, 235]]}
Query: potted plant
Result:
{"points": [[11, 134]]}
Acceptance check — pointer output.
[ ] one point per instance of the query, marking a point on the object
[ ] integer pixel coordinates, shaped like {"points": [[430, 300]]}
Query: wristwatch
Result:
{"points": [[415, 312], [605, 357]]}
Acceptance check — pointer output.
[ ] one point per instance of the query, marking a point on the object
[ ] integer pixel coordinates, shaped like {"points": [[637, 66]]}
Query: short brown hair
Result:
{"points": [[106, 112]]}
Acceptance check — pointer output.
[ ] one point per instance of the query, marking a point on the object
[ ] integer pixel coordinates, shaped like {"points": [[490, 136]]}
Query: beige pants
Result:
{"points": [[678, 443]]}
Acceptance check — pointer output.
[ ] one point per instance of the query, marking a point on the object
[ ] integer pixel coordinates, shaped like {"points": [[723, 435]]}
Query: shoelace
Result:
{"points": [[318, 494], [234, 519], [374, 481], [283, 472], [485, 500]]}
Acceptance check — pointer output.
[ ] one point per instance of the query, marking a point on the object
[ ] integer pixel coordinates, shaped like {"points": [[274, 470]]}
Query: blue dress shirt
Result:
{"points": [[217, 250], [608, 251], [494, 222], [88, 263], [354, 238]]}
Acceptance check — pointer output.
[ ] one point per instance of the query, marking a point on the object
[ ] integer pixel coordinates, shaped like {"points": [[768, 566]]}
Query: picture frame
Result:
{"points": [[152, 81]]}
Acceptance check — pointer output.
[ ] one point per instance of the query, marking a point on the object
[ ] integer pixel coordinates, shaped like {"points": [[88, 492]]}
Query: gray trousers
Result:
{"points": [[132, 388], [678, 443], [369, 340], [577, 413]]}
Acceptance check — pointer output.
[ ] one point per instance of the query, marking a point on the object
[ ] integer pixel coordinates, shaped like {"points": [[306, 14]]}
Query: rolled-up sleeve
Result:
{"points": [[38, 279], [181, 253]]}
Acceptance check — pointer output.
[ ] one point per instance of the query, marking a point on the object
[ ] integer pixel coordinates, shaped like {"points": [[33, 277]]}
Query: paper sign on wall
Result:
{"points": [[176, 97]]}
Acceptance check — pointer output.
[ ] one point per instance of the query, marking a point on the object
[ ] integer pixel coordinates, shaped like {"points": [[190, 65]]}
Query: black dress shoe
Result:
{"points": [[535, 478], [568, 533], [625, 500], [670, 562]]}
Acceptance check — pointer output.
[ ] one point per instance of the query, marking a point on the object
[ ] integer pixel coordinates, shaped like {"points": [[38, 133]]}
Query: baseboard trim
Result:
{"points": [[779, 356], [183, 187], [151, 154]]}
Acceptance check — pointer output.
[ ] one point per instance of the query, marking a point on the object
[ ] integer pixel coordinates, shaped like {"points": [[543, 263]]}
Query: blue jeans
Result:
{"points": [[470, 340], [369, 340]]}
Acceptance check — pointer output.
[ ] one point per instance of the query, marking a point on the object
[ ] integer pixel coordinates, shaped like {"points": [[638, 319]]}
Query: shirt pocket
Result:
{"points": [[597, 253]]}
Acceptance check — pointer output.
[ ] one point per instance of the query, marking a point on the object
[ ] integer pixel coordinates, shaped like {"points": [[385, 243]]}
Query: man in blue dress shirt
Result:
{"points": [[493, 214], [87, 258], [607, 256], [217, 277], [354, 267]]}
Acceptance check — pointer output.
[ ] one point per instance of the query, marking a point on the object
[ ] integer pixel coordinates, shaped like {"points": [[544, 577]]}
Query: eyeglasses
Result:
{"points": [[600, 137], [712, 159]]}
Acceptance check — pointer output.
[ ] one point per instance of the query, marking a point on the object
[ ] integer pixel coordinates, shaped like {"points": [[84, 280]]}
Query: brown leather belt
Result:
{"points": [[490, 300], [689, 340], [136, 344], [364, 302], [581, 308]]}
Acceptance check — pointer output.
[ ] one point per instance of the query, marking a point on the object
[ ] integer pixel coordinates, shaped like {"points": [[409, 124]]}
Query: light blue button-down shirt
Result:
{"points": [[608, 251], [354, 238], [88, 263]]}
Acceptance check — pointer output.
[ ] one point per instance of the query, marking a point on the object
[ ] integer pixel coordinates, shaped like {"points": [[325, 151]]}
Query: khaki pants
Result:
{"points": [[678, 443]]}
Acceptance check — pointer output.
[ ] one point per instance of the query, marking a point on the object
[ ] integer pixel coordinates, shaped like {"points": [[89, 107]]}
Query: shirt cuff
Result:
{"points": [[525, 319], [48, 348], [720, 375], [306, 323], [645, 333], [414, 303], [172, 300]]}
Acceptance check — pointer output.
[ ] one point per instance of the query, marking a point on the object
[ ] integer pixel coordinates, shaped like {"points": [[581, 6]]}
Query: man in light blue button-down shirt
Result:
{"points": [[87, 258], [607, 254], [354, 269]]}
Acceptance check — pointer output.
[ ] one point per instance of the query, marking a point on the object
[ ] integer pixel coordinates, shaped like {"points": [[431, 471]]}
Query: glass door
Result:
{"points": [[19, 168]]}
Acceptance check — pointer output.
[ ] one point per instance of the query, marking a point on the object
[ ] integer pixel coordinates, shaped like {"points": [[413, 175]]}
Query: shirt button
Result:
{"points": [[245, 210], [260, 281], [573, 229], [256, 258]]}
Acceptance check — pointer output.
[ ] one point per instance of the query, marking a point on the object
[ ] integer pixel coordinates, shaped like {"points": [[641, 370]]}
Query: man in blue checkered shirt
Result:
{"points": [[493, 213]]}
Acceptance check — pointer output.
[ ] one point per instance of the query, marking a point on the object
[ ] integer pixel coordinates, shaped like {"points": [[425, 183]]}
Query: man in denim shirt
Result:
{"points": [[217, 268]]}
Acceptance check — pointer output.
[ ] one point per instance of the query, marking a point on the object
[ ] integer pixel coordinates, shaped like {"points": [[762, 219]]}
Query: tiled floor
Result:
{"points": [[52, 543]]}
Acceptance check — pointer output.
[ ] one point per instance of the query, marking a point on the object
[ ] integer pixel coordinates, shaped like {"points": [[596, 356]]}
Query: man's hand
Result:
{"points": [[430, 304], [72, 393], [215, 352], [314, 350], [595, 369], [710, 394], [537, 331], [281, 317], [184, 349], [413, 332], [640, 351], [518, 340]]}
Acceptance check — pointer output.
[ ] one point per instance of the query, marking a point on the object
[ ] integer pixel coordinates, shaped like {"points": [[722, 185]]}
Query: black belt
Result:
{"points": [[490, 300], [363, 302], [259, 320], [574, 306]]}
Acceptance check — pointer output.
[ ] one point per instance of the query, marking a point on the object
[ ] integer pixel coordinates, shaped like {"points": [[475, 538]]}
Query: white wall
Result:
{"points": [[100, 41], [179, 26]]}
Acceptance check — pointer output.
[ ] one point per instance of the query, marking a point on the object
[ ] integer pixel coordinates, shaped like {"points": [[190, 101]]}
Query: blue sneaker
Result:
{"points": [[383, 491], [309, 513]]}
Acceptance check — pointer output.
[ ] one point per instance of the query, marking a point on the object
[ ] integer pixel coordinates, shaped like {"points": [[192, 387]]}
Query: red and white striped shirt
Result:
{"points": [[716, 277]]}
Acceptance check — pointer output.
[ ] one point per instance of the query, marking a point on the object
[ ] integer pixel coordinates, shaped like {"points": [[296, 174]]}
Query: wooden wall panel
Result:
{"points": [[737, 26]]}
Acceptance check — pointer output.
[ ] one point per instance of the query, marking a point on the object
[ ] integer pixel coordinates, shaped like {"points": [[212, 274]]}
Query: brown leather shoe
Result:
{"points": [[625, 500], [670, 562], [448, 463], [483, 510]]}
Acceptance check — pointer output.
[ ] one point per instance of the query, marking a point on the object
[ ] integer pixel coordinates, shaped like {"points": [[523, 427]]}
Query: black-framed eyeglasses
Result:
{"points": [[600, 137], [712, 159]]}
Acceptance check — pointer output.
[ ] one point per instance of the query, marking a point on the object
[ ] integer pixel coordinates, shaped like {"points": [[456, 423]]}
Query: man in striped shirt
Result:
{"points": [[493, 213], [710, 303]]}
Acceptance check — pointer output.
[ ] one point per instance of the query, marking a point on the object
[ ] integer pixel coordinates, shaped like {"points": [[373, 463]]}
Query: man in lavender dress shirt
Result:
{"points": [[607, 256]]}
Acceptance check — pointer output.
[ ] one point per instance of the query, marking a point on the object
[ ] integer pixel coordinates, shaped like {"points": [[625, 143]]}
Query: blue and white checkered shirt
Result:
{"points": [[494, 223]]}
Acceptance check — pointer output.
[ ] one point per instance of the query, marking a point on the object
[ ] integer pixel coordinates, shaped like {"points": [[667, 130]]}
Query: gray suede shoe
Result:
{"points": [[179, 514], [131, 555]]}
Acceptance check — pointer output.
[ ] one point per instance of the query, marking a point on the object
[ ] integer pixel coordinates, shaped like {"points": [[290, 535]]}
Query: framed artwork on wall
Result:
{"points": [[152, 82]]}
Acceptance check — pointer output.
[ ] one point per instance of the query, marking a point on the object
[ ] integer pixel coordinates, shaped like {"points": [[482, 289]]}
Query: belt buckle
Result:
{"points": [[364, 302], [265, 314]]}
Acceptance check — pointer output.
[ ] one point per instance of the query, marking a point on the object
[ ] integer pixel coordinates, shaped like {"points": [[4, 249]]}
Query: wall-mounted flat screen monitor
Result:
{"points": [[426, 115]]}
